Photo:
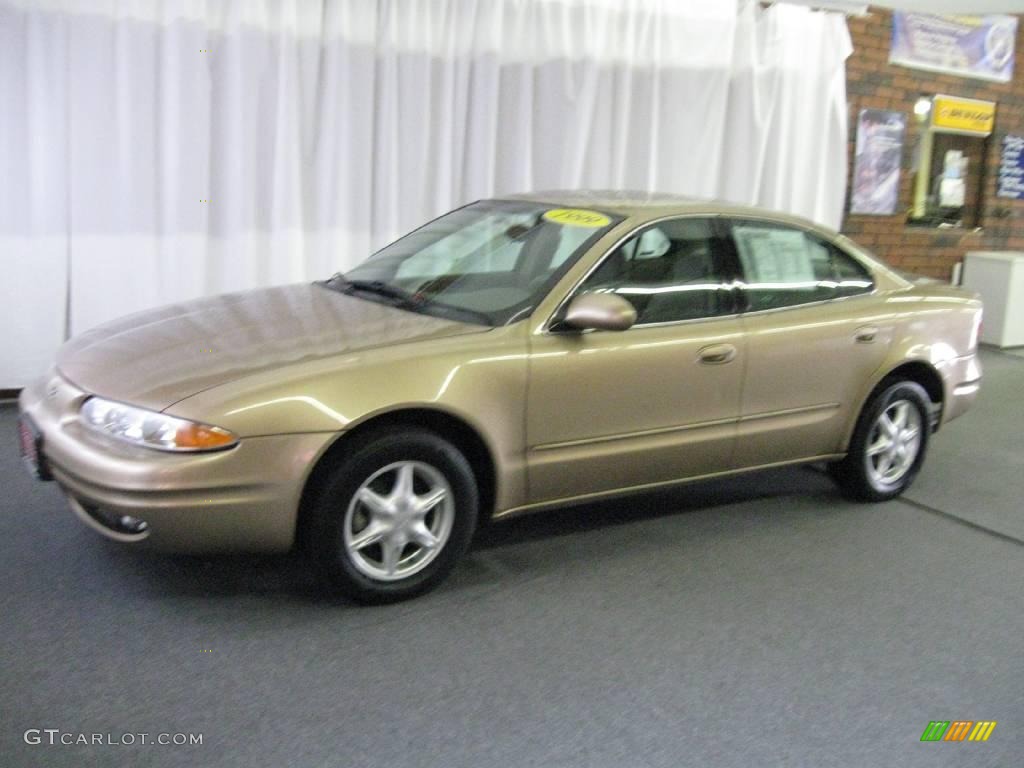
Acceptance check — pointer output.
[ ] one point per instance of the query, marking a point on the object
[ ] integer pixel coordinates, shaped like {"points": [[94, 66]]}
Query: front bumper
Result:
{"points": [[244, 498]]}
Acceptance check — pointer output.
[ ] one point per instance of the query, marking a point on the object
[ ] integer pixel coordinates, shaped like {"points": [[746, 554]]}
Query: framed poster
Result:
{"points": [[971, 46], [876, 163], [1011, 168]]}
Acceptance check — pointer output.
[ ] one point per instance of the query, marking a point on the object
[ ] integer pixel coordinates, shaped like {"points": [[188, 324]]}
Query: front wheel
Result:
{"points": [[393, 517], [888, 445]]}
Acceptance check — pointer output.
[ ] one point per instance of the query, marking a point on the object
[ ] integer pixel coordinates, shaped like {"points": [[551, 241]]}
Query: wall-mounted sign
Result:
{"points": [[969, 116], [876, 166], [1011, 168], [972, 46]]}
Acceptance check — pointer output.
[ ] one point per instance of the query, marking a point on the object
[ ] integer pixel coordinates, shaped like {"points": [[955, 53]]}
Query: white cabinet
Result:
{"points": [[999, 277]]}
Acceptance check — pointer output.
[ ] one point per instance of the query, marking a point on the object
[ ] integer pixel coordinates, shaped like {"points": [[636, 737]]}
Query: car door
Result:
{"points": [[816, 331], [652, 404]]}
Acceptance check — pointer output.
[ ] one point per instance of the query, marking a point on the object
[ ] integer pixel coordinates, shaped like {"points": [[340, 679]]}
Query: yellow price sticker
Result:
{"points": [[577, 217]]}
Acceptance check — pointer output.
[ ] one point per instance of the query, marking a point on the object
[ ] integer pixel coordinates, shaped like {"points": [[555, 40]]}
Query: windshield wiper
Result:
{"points": [[379, 288], [403, 299]]}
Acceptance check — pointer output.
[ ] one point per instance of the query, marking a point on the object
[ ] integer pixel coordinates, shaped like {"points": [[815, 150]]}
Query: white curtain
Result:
{"points": [[157, 151]]}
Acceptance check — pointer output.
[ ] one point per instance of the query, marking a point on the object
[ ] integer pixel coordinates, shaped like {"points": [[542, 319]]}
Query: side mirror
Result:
{"points": [[600, 311]]}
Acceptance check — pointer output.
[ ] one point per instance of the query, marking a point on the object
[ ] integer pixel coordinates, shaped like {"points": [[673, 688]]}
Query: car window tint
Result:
{"points": [[669, 272], [850, 275], [572, 239], [785, 267]]}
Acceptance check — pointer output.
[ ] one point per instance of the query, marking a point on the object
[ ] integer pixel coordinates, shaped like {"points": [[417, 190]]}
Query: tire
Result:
{"points": [[884, 457], [368, 529]]}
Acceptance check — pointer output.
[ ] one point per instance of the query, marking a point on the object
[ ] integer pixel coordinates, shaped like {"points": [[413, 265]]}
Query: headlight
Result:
{"points": [[152, 429]]}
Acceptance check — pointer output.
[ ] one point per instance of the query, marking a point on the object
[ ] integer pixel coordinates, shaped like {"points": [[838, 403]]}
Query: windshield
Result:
{"points": [[489, 262]]}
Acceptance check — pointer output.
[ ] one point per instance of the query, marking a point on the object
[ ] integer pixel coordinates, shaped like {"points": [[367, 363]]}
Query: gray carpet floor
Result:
{"points": [[760, 621]]}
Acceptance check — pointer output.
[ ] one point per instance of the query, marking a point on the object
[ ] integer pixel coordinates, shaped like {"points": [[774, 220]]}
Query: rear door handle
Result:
{"points": [[717, 354], [866, 334]]}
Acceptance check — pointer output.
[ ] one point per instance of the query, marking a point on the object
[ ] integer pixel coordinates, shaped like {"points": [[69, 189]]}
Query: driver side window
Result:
{"points": [[671, 271]]}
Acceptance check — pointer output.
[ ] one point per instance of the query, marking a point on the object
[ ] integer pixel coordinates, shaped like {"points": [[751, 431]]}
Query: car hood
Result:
{"points": [[156, 358]]}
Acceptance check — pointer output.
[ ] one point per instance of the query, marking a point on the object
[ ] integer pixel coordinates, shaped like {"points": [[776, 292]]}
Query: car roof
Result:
{"points": [[651, 205]]}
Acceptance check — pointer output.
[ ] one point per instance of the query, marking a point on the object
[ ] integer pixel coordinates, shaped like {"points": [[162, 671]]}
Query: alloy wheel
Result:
{"points": [[894, 443], [398, 520]]}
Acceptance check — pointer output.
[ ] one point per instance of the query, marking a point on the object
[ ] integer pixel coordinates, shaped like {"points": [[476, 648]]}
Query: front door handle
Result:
{"points": [[717, 354], [866, 334]]}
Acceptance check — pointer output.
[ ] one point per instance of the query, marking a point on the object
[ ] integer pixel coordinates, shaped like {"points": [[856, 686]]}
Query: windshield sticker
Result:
{"points": [[577, 217]]}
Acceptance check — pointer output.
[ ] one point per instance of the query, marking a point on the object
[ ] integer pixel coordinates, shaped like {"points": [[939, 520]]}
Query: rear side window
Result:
{"points": [[785, 267]]}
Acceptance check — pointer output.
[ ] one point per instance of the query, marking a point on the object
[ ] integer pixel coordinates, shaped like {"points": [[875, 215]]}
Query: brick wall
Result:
{"points": [[873, 83]]}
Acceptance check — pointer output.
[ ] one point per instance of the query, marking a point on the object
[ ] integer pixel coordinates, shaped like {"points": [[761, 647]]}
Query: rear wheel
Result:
{"points": [[393, 517], [888, 445]]}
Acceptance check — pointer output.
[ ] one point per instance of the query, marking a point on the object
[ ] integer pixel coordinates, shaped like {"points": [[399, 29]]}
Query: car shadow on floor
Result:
{"points": [[287, 577], [774, 483]]}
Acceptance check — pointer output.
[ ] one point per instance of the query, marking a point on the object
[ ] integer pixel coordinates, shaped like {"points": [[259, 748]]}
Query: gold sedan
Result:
{"points": [[513, 355]]}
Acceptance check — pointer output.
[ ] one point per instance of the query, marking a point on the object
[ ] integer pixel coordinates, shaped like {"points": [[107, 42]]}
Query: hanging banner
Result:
{"points": [[876, 168], [1011, 168], [972, 46]]}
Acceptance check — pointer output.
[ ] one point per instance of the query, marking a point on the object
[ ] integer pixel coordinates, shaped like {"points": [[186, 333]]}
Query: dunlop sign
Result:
{"points": [[969, 116]]}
